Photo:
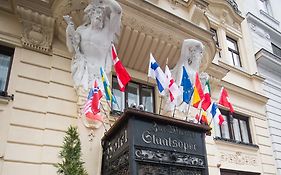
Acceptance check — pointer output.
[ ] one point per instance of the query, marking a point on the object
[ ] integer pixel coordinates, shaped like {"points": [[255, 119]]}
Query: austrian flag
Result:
{"points": [[123, 76]]}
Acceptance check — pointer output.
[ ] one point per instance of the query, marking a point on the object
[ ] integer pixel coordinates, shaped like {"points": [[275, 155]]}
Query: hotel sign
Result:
{"points": [[142, 143]]}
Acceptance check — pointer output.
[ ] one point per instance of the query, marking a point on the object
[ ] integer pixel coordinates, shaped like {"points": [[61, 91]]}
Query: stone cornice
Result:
{"points": [[268, 60], [257, 22]]}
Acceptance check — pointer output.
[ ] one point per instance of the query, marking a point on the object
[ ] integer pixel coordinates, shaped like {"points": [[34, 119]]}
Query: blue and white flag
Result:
{"points": [[155, 72], [187, 86]]}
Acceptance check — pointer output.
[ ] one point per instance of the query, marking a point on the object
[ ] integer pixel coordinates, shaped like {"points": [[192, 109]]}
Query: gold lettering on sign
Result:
{"points": [[150, 138]]}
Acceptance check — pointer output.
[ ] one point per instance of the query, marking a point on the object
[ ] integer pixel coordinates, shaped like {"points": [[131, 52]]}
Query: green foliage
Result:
{"points": [[71, 155]]}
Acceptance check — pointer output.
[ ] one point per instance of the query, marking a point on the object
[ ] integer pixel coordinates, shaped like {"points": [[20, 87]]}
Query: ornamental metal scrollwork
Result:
{"points": [[120, 165], [145, 169], [169, 157]]}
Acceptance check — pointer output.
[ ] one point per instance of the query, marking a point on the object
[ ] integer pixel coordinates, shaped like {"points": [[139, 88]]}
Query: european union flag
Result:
{"points": [[187, 86]]}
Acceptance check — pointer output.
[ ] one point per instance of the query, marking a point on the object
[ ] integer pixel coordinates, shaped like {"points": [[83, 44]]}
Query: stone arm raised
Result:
{"points": [[115, 17], [72, 37]]}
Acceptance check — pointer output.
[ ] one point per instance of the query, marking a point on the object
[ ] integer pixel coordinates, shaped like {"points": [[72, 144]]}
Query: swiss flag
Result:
{"points": [[224, 100], [123, 76]]}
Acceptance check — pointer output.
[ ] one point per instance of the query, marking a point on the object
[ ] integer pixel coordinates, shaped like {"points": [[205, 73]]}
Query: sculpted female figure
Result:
{"points": [[91, 42]]}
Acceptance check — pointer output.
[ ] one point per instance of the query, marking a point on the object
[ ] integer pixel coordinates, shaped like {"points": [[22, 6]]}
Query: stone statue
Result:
{"points": [[91, 42], [190, 57]]}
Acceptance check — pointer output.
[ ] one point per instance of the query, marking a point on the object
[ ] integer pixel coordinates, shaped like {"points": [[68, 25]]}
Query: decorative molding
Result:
{"points": [[37, 30], [259, 31], [234, 6], [149, 169], [146, 154], [238, 158]]}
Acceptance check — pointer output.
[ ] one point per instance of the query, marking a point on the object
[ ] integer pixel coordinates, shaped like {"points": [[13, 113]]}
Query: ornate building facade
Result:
{"points": [[264, 26], [38, 101]]}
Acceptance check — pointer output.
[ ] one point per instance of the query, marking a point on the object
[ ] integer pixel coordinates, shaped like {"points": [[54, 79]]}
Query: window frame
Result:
{"points": [[274, 48], [233, 172], [140, 87], [9, 52], [229, 119], [234, 51]]}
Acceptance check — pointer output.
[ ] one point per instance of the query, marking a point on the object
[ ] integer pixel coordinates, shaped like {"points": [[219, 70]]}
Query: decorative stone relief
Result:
{"points": [[37, 30], [239, 158], [234, 6]]}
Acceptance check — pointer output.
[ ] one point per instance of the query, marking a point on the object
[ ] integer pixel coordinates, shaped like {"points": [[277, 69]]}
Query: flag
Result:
{"points": [[224, 100], [203, 119], [88, 107], [107, 90], [123, 76], [198, 93], [97, 95], [216, 114], [187, 86], [206, 102], [173, 88], [155, 72]]}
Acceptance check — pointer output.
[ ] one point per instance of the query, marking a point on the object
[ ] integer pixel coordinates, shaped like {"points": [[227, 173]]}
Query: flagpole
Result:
{"points": [[105, 113], [188, 110], [161, 99], [174, 111]]}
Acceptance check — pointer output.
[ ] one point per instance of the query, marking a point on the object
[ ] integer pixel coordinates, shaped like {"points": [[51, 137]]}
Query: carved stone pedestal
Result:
{"points": [[142, 143]]}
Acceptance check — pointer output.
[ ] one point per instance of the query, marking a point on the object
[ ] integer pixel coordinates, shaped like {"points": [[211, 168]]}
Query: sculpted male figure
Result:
{"points": [[91, 42]]}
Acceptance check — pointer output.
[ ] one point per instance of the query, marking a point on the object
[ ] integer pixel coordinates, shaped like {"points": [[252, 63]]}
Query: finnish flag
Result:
{"points": [[155, 72]]}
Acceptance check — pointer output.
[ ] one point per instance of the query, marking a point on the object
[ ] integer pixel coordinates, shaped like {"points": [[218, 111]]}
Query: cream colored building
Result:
{"points": [[44, 103]]}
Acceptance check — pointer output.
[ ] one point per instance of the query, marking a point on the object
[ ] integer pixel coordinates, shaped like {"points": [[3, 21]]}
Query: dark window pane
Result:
{"points": [[233, 52], [225, 129], [236, 60], [147, 100], [231, 44], [5, 66], [244, 130], [236, 130], [133, 94], [235, 127], [276, 50]]}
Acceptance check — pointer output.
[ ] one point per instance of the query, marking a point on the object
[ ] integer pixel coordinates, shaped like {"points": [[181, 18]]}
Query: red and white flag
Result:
{"points": [[92, 106], [123, 76], [173, 88], [97, 95], [224, 100]]}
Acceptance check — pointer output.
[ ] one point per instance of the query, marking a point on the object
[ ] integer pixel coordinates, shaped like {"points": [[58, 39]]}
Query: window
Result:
{"points": [[231, 172], [233, 52], [215, 37], [235, 128], [6, 55], [136, 93], [265, 6], [276, 50]]}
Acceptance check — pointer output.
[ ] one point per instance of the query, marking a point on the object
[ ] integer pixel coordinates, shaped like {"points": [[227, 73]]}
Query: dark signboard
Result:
{"points": [[143, 143]]}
